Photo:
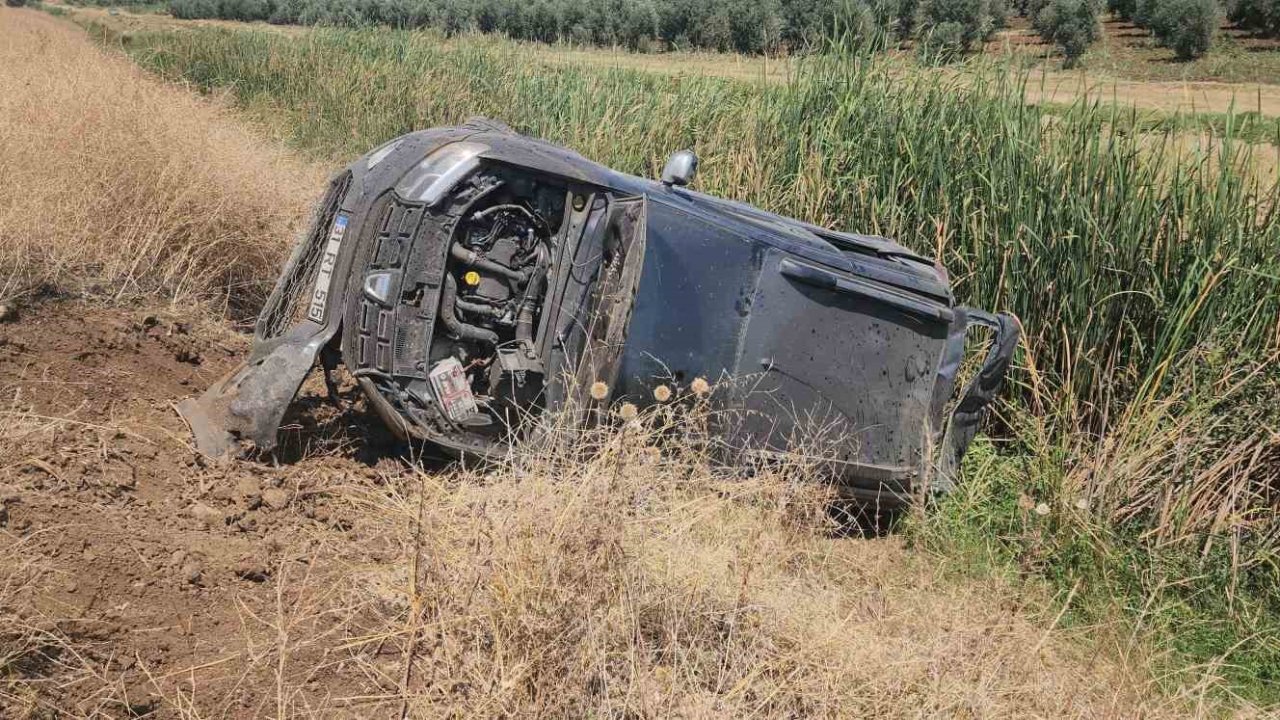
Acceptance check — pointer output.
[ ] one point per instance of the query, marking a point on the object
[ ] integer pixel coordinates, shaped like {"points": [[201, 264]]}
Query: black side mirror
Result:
{"points": [[680, 169]]}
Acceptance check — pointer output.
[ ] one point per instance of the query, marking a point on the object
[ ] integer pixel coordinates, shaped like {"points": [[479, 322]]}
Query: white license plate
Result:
{"points": [[320, 296]]}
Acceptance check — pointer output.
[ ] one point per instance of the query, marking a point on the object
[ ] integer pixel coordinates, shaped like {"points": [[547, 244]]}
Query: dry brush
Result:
{"points": [[118, 186]]}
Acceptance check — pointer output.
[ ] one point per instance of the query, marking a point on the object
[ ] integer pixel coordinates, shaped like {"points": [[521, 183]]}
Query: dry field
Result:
{"points": [[351, 580], [116, 186]]}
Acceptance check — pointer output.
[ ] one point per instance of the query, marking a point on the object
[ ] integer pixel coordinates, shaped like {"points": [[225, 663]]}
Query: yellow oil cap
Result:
{"points": [[472, 278]]}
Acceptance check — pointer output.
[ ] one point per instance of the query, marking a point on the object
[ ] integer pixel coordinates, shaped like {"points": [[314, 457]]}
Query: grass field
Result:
{"points": [[1127, 493]]}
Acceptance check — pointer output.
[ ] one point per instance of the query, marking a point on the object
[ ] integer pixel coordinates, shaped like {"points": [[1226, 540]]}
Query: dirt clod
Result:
{"points": [[249, 493], [193, 572], [251, 569], [276, 498], [210, 516]]}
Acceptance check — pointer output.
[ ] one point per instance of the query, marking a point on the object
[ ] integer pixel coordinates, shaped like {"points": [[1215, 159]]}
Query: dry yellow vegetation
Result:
{"points": [[118, 185]]}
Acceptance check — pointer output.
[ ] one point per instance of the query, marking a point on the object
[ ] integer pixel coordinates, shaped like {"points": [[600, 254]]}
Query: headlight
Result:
{"points": [[440, 171], [381, 153]]}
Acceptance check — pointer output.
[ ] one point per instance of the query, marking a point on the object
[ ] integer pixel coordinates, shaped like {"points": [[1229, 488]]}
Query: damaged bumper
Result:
{"points": [[243, 410]]}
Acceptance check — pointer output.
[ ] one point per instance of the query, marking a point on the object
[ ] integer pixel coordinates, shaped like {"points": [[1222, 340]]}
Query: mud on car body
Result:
{"points": [[471, 278]]}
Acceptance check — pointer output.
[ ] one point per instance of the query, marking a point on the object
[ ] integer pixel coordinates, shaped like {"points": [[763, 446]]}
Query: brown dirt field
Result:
{"points": [[138, 579], [159, 571], [150, 582]]}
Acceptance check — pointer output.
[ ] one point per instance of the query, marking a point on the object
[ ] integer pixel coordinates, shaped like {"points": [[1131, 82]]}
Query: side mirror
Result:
{"points": [[680, 169]]}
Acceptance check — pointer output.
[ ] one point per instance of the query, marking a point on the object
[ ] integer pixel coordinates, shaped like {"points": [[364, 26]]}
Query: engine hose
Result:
{"points": [[478, 308], [473, 259], [534, 217], [528, 306], [482, 214], [450, 318]]}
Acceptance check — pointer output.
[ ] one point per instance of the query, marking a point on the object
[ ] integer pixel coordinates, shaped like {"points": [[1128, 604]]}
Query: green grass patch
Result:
{"points": [[1120, 527]]}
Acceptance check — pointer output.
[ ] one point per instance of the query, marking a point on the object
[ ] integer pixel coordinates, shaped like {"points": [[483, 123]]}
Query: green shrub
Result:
{"points": [[941, 43], [908, 11], [1028, 8], [1031, 10], [1145, 11], [1261, 16], [998, 14], [868, 22], [1072, 25], [948, 28], [1122, 9], [1186, 26], [187, 9]]}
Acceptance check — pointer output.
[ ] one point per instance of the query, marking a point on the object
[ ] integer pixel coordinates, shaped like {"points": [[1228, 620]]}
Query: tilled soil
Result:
{"points": [[137, 574]]}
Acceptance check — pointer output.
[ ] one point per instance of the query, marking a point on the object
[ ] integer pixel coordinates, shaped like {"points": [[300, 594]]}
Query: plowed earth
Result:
{"points": [[143, 572]]}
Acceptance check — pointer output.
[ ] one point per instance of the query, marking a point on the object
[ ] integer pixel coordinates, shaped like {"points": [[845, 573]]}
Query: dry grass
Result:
{"points": [[617, 573], [117, 185], [625, 575], [41, 654], [1199, 468]]}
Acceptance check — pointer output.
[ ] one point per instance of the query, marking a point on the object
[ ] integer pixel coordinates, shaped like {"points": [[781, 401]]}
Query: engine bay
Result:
{"points": [[494, 285], [452, 330]]}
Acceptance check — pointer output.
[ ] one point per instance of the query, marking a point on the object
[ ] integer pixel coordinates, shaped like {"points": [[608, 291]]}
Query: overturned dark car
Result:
{"points": [[472, 279]]}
